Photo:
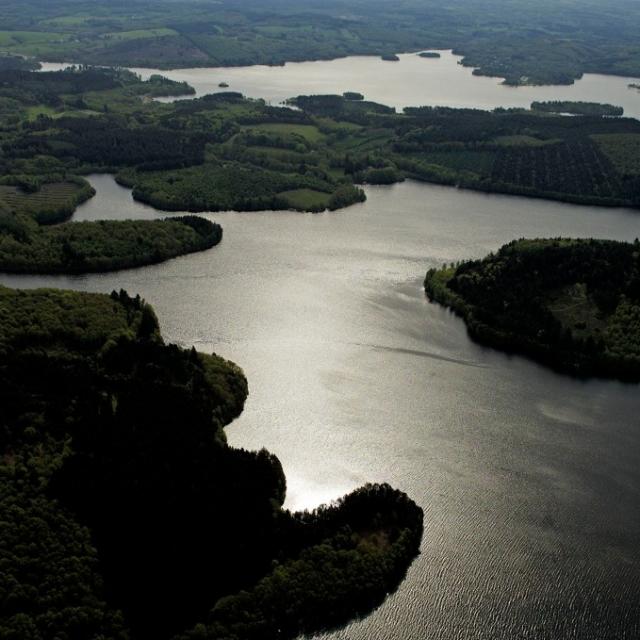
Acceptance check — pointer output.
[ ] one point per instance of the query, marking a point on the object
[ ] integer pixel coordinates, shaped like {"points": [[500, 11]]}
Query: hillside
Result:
{"points": [[545, 43]]}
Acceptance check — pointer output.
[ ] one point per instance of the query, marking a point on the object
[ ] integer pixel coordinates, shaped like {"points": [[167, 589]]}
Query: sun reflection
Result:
{"points": [[305, 493]]}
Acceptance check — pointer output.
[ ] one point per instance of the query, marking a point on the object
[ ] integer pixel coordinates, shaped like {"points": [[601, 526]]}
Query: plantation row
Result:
{"points": [[574, 168], [53, 202]]}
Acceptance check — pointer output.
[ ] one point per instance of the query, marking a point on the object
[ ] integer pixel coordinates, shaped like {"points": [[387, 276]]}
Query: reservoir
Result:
{"points": [[412, 81], [530, 480]]}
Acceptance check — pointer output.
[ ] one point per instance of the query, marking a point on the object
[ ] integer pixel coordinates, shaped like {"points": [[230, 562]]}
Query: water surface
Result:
{"points": [[413, 81], [529, 480]]}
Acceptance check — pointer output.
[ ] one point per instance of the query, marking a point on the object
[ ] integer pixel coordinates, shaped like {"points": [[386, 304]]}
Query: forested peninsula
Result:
{"points": [[38, 192], [127, 516], [571, 304], [106, 245], [224, 151]]}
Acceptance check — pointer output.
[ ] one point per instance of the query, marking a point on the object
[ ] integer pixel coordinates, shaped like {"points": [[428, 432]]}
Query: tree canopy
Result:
{"points": [[124, 513], [574, 304]]}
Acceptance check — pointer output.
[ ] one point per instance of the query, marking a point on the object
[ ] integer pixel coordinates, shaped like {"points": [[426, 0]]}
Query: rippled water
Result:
{"points": [[412, 81], [530, 481]]}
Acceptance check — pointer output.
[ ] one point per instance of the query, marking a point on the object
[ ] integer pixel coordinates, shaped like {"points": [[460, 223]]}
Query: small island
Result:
{"points": [[578, 108], [223, 85], [390, 57], [125, 513], [571, 304], [429, 54]]}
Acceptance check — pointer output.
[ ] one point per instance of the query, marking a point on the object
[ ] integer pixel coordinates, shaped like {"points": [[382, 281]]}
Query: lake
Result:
{"points": [[412, 81], [529, 480]]}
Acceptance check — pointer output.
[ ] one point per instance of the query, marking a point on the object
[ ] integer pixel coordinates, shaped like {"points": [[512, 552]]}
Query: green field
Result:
{"points": [[306, 199], [309, 132], [16, 39], [138, 34], [40, 110], [36, 43], [480, 162], [53, 193], [67, 21]]}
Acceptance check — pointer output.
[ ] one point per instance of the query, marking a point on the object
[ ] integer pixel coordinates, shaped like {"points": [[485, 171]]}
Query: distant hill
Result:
{"points": [[543, 43]]}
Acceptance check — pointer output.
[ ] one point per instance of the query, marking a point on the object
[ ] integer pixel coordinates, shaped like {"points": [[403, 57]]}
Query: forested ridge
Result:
{"points": [[573, 304], [126, 515]]}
